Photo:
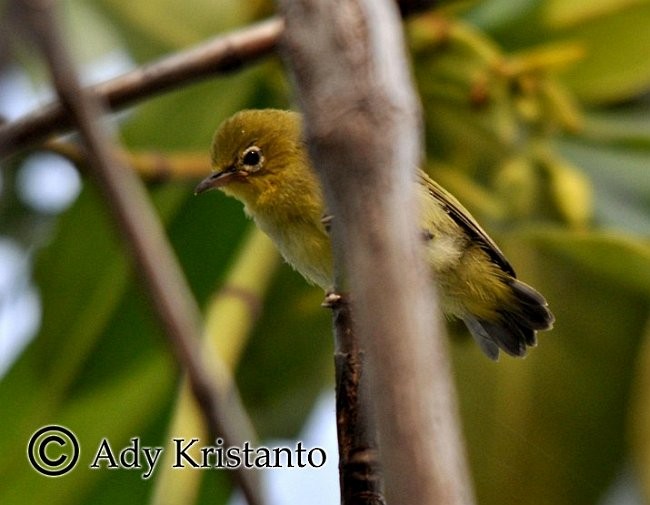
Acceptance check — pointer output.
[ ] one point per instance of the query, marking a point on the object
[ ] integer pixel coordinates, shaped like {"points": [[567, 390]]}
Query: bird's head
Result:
{"points": [[257, 154]]}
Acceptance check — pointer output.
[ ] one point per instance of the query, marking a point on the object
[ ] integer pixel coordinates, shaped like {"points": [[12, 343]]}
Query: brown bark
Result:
{"points": [[363, 130]]}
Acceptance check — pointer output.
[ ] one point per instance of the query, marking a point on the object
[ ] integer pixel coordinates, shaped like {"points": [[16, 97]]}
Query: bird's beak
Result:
{"points": [[217, 180]]}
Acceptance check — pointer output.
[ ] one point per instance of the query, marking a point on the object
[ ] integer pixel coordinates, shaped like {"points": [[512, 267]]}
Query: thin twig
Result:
{"points": [[153, 166], [360, 474], [127, 199], [363, 130]]}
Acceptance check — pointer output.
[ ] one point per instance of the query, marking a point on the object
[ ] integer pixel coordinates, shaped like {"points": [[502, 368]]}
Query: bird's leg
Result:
{"points": [[332, 300]]}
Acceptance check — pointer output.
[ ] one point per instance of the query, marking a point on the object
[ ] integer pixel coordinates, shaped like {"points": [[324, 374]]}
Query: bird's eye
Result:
{"points": [[252, 158]]}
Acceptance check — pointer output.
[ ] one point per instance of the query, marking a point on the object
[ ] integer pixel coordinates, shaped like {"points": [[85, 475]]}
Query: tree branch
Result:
{"points": [[360, 472], [144, 235], [218, 56], [363, 130], [153, 166], [229, 318]]}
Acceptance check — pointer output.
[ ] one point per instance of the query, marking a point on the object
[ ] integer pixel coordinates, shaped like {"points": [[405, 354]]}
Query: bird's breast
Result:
{"points": [[304, 244]]}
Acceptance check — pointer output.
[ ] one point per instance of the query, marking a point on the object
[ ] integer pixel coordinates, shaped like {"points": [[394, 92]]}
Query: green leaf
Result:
{"points": [[491, 15], [639, 418], [620, 259], [551, 428], [78, 297], [627, 127], [613, 34], [88, 328], [289, 359], [116, 411], [576, 12], [617, 66], [620, 180], [88, 35], [152, 27]]}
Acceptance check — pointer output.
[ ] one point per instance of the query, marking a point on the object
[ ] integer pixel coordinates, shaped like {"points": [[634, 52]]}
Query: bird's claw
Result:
{"points": [[326, 220], [332, 300]]}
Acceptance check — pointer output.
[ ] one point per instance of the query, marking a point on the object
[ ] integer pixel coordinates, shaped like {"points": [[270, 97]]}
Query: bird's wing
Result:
{"points": [[464, 219]]}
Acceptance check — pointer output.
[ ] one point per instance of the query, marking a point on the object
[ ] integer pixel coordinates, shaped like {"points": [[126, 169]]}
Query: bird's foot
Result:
{"points": [[327, 221], [332, 300]]}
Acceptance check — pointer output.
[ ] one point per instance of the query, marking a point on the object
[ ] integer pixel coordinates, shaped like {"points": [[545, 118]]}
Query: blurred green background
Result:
{"points": [[538, 120]]}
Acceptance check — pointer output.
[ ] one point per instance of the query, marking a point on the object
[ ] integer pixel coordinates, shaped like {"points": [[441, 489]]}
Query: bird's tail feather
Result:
{"points": [[515, 330]]}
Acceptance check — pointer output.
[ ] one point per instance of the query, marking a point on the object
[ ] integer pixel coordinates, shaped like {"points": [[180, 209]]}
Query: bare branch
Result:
{"points": [[127, 199], [154, 166], [218, 56], [362, 127], [360, 472], [221, 55]]}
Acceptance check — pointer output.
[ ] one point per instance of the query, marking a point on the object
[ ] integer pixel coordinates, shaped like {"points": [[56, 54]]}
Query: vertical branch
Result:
{"points": [[359, 468], [127, 199], [362, 127]]}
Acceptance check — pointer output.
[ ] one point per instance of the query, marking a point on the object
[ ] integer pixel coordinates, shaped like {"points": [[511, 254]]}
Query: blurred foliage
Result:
{"points": [[537, 118]]}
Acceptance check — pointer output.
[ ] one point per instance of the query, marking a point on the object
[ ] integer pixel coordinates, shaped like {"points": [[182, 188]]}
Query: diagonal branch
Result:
{"points": [[144, 235], [220, 55]]}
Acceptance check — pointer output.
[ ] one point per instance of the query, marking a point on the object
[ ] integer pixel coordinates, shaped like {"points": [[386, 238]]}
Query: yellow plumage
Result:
{"points": [[259, 157]]}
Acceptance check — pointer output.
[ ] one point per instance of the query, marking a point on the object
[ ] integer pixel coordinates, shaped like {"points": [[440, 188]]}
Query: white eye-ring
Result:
{"points": [[252, 159]]}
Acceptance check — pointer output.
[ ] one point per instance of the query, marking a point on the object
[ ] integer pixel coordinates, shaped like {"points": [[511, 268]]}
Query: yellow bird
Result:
{"points": [[260, 158]]}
